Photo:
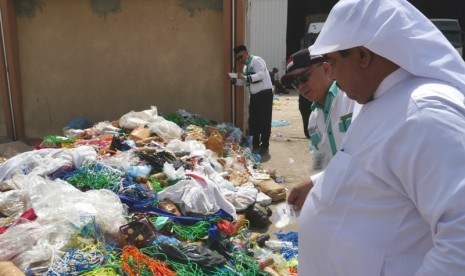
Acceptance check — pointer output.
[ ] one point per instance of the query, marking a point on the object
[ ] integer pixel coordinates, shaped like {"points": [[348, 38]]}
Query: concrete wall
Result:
{"points": [[101, 59]]}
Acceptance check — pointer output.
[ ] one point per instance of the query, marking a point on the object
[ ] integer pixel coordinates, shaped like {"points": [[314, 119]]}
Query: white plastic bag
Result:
{"points": [[284, 215]]}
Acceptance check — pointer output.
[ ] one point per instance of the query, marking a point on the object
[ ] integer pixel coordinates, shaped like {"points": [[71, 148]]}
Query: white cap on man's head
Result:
{"points": [[396, 30]]}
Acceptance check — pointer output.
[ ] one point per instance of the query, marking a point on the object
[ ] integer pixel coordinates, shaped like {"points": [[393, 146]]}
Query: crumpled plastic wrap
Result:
{"points": [[104, 128], [10, 184], [138, 171], [241, 197], [172, 173], [34, 242], [198, 196], [12, 202], [135, 119], [263, 199], [150, 119], [46, 161], [165, 129], [177, 146], [61, 210], [58, 199], [23, 163], [122, 160], [83, 155]]}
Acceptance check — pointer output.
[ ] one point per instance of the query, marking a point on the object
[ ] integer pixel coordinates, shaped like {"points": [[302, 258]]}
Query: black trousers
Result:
{"points": [[260, 111], [305, 111], [278, 86]]}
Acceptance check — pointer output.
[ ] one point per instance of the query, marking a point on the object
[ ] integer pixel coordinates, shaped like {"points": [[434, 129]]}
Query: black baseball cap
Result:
{"points": [[239, 49], [298, 62]]}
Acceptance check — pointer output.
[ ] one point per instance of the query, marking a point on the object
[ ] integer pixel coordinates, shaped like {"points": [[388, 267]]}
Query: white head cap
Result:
{"points": [[396, 30]]}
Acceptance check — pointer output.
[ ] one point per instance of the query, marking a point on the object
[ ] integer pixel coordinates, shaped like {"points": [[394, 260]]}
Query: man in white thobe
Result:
{"points": [[392, 200]]}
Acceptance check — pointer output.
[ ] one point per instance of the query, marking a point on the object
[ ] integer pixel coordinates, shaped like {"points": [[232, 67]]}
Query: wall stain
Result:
{"points": [[197, 5], [103, 7], [27, 8]]}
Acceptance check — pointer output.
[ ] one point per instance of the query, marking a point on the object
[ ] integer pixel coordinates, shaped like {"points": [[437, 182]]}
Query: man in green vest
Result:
{"points": [[256, 77]]}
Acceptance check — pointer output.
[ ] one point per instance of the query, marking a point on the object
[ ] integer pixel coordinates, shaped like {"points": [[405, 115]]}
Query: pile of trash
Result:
{"points": [[144, 195]]}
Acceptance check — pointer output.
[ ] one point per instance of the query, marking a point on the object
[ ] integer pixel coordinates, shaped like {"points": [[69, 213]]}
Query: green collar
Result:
{"points": [[332, 92], [247, 64]]}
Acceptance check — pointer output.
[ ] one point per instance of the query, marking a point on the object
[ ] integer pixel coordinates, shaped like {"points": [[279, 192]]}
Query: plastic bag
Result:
{"points": [[284, 215], [166, 129], [258, 216], [139, 170], [215, 143], [134, 119]]}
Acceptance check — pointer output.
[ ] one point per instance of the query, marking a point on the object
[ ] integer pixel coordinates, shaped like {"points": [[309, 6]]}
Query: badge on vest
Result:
{"points": [[315, 136], [318, 160]]}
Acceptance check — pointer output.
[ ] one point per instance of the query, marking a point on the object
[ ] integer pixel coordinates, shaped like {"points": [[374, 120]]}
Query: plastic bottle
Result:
{"points": [[275, 244], [262, 239], [280, 265]]}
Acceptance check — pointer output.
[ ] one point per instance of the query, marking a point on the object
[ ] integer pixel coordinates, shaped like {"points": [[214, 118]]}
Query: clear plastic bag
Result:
{"points": [[284, 215]]}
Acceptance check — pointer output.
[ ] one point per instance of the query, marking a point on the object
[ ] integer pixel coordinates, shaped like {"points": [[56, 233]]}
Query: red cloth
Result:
{"points": [[29, 215], [226, 228]]}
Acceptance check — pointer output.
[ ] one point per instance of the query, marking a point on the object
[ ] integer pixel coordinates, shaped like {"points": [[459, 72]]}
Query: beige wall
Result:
{"points": [[76, 63]]}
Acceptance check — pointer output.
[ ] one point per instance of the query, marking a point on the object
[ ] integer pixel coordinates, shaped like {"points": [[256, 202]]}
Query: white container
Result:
{"points": [[233, 75]]}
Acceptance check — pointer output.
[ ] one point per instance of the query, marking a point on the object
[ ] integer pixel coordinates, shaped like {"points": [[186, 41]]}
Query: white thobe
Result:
{"points": [[392, 201]]}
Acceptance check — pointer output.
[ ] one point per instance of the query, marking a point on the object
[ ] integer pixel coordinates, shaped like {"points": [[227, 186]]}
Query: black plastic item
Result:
{"points": [[139, 233], [221, 246], [116, 144], [192, 253], [158, 159], [258, 216], [262, 239]]}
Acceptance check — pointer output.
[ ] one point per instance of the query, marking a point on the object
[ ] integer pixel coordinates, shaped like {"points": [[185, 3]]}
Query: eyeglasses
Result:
{"points": [[239, 57], [302, 78]]}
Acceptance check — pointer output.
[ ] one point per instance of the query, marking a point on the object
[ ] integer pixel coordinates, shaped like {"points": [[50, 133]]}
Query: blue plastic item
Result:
{"points": [[276, 123]]}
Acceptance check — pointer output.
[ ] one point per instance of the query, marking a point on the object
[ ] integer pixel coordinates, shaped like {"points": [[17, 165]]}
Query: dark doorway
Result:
{"points": [[299, 10]]}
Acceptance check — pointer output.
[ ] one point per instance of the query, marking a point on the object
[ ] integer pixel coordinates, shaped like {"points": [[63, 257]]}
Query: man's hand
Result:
{"points": [[299, 194]]}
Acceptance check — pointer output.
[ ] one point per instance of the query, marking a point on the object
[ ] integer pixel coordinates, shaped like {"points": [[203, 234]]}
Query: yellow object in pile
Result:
{"points": [[9, 269], [215, 143]]}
